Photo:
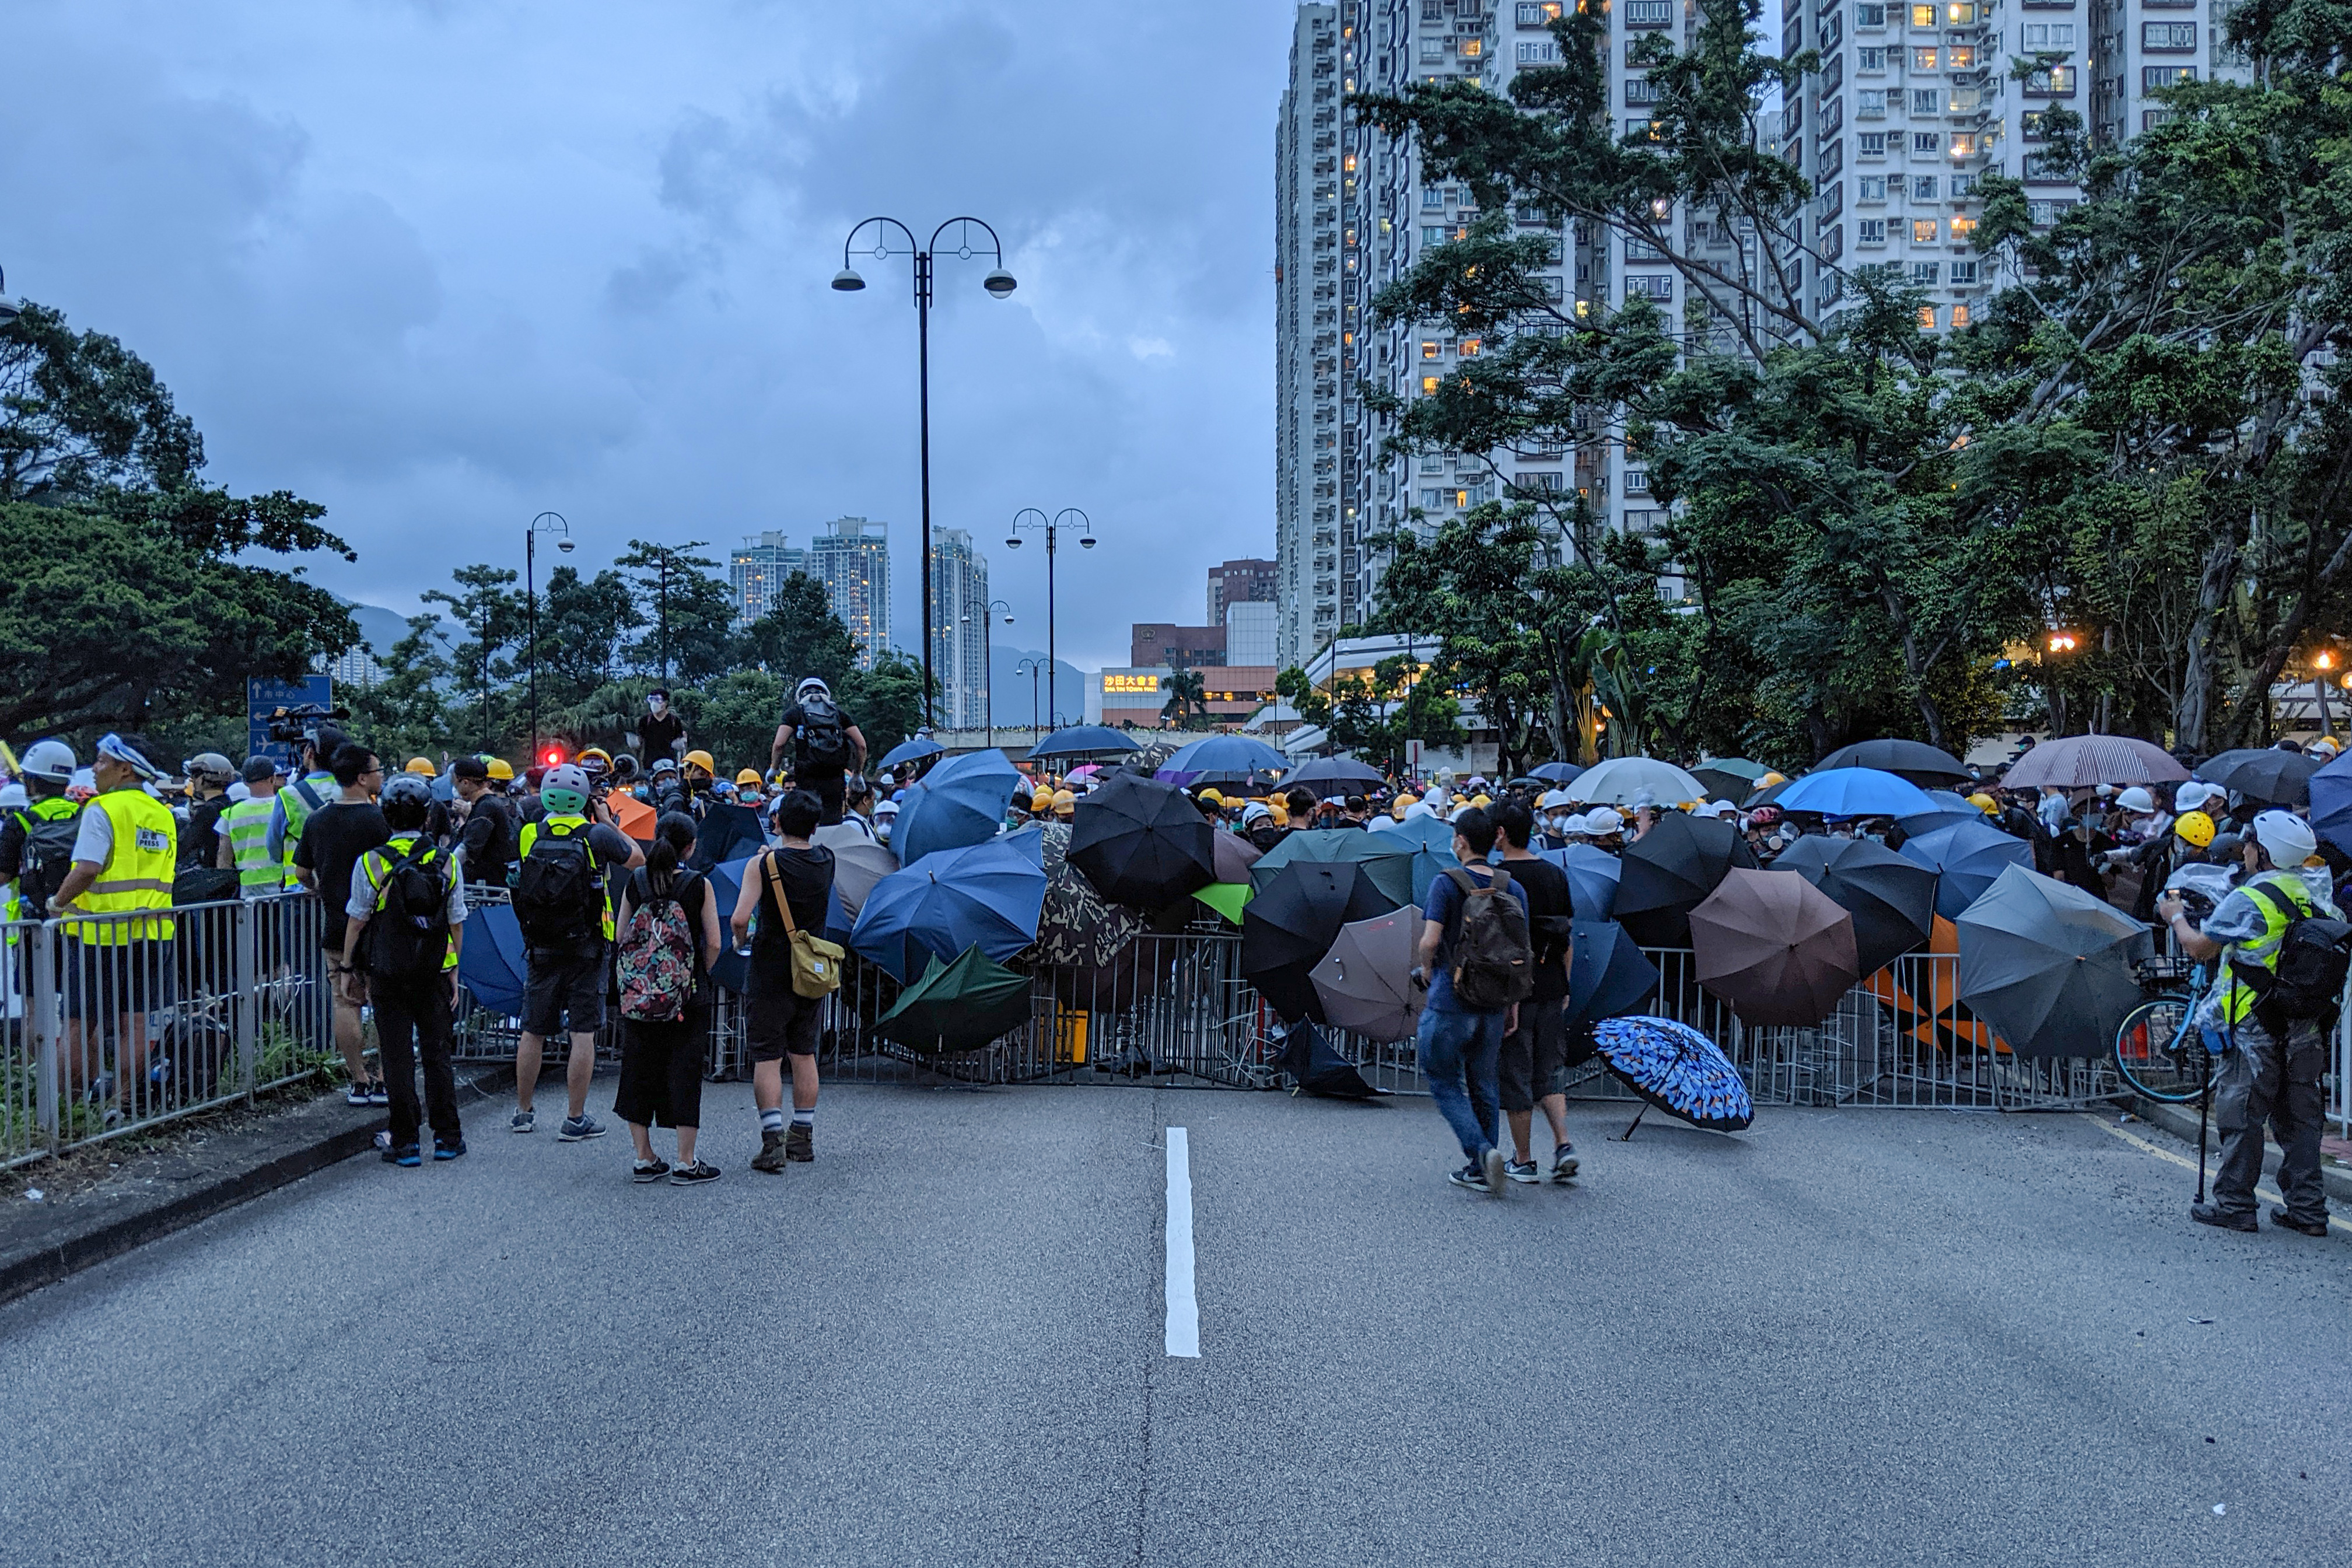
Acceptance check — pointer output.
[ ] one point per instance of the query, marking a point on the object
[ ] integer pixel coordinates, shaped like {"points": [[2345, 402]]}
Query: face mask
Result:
{"points": [[882, 830], [655, 704]]}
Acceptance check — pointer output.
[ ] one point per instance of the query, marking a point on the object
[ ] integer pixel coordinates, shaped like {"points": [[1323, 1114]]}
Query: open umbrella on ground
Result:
{"points": [[980, 895], [2049, 966], [1667, 871], [1591, 878], [1608, 973], [1557, 773], [1729, 778], [1142, 843], [1387, 860], [1632, 781], [1777, 948], [1917, 760], [2331, 802], [1076, 926], [1316, 1068], [1855, 791], [1892, 900], [1334, 775], [1674, 1067], [1084, 740], [958, 1007], [960, 801], [1292, 923], [2079, 762], [1238, 754], [490, 966], [1365, 981], [2267, 774], [913, 749], [1967, 857]]}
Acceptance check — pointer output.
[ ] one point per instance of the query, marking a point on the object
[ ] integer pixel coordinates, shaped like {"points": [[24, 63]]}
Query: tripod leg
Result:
{"points": [[2204, 1108]]}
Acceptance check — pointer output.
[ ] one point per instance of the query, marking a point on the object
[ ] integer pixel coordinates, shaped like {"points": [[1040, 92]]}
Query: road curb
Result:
{"points": [[29, 1269], [2180, 1121]]}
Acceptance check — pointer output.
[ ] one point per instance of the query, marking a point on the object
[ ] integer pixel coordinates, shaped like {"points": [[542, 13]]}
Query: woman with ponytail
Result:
{"points": [[668, 927]]}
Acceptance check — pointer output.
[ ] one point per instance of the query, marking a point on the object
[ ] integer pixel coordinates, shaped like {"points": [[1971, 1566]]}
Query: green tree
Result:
{"points": [[406, 714], [886, 698], [799, 635], [583, 624], [81, 414], [685, 611], [492, 617], [1186, 698]]}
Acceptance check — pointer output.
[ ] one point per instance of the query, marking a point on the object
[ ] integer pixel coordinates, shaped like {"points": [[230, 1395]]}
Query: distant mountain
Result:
{"points": [[1014, 687], [379, 628]]}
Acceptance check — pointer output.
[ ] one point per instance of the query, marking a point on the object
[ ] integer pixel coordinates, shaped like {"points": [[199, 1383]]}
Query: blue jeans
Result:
{"points": [[1458, 1052]]}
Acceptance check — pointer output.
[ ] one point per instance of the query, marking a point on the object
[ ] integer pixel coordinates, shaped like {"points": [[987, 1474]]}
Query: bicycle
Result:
{"points": [[2159, 1049]]}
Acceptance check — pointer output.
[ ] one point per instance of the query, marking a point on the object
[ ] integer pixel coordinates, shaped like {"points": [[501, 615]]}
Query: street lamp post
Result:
{"points": [[999, 283], [1030, 667], [988, 661], [549, 522], [1051, 528], [9, 308]]}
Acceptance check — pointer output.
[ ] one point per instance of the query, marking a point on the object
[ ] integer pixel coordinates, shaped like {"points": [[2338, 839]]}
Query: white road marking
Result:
{"points": [[1183, 1307], [2269, 1194]]}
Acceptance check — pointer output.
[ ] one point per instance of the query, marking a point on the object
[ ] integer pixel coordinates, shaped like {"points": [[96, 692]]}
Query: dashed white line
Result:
{"points": [[1183, 1307]]}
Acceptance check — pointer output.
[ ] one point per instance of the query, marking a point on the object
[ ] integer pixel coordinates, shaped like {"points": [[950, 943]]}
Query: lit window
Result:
{"points": [[1428, 386], [1963, 225], [1960, 13], [1960, 315], [1959, 58], [1469, 348], [1923, 231], [1923, 15], [1964, 144], [1926, 317], [1923, 60], [1461, 498], [1472, 48], [1428, 348]]}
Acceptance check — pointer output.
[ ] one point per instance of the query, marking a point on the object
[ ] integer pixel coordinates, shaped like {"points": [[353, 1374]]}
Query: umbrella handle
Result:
{"points": [[1627, 1136]]}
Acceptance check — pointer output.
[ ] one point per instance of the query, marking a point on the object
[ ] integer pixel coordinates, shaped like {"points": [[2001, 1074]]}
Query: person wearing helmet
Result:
{"points": [[36, 840], [2148, 851], [244, 830], [564, 903], [209, 774], [2278, 1036], [486, 838], [118, 971], [885, 819], [404, 915], [502, 774], [698, 768], [333, 838], [423, 768], [826, 744], [747, 779], [1604, 826]]}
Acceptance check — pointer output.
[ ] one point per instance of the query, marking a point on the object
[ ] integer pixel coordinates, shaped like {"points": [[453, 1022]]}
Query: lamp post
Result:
{"points": [[988, 661], [1030, 667], [999, 283], [1051, 528], [549, 523], [9, 308]]}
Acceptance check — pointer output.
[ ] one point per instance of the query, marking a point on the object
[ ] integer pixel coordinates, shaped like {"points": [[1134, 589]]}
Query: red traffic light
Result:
{"points": [[554, 757]]}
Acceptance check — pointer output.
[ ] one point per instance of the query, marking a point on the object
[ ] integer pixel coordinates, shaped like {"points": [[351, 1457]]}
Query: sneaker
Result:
{"points": [[406, 1154], [577, 1129], [523, 1121], [383, 1141], [1523, 1170], [649, 1170], [1563, 1162], [379, 1093], [800, 1141], [1469, 1176], [356, 1093], [694, 1175], [2282, 1220], [2208, 1214], [1494, 1163], [448, 1148], [771, 1157]]}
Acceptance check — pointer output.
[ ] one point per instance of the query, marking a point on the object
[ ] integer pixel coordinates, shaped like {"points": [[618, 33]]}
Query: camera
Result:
{"points": [[299, 726]]}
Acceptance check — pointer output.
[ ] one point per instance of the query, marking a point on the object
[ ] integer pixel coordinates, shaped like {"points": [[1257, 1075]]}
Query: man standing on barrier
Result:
{"points": [[333, 838], [120, 969], [564, 904], [406, 925]]}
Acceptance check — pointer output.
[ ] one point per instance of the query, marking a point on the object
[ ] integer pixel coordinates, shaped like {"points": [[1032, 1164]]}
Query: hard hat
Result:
{"points": [[701, 760], [409, 787], [2194, 827], [1277, 810], [12, 797], [2285, 837], [2329, 741], [664, 765], [1256, 812], [1481, 799], [1602, 820], [1041, 798], [886, 808], [50, 760], [499, 768], [2195, 795], [1212, 797], [209, 764], [747, 776], [1064, 802], [2136, 800], [261, 767], [1770, 779], [422, 767], [1984, 803], [595, 760]]}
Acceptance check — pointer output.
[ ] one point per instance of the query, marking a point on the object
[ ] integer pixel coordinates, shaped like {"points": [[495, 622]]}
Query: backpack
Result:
{"points": [[824, 739], [408, 935], [49, 856], [2315, 956], [559, 899], [656, 960], [1492, 964]]}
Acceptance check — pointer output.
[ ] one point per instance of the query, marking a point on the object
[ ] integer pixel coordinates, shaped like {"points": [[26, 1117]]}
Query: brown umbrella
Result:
{"points": [[2078, 762], [1777, 948], [1235, 856], [1366, 980]]}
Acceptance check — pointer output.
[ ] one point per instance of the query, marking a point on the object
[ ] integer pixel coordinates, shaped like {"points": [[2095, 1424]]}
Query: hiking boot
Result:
{"points": [[771, 1157], [2212, 1214], [1563, 1162], [649, 1170], [1493, 1162], [1523, 1171], [694, 1175], [799, 1142], [2282, 1220]]}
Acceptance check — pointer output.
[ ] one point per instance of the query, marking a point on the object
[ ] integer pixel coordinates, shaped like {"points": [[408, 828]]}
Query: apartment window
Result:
{"points": [[1430, 196], [1428, 500], [1640, 130], [1829, 30], [1649, 13], [1433, 49], [1870, 144], [1964, 99], [1926, 317], [1638, 91], [1640, 249], [2168, 38], [2154, 79], [1832, 160], [1832, 201], [1964, 144], [2057, 82], [1470, 347], [1924, 99], [1869, 231], [1963, 186], [1870, 103], [1472, 48], [1923, 232], [1650, 286], [1538, 481], [1923, 15], [1528, 15], [1429, 385], [1960, 57], [1962, 225], [2048, 35], [1923, 187], [1963, 274], [1923, 273], [1923, 60], [1429, 348], [1432, 234], [1870, 16], [1432, 463], [1832, 116], [1960, 13], [1637, 481], [1959, 316], [1870, 59], [2150, 119], [1834, 243], [1925, 143], [2033, 125], [1545, 52], [1870, 188]]}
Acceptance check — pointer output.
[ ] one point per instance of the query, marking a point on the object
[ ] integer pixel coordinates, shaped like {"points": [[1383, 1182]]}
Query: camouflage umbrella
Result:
{"points": [[1077, 928]]}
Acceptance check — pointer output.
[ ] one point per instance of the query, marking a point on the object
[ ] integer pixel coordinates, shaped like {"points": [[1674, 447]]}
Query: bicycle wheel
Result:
{"points": [[2160, 1053]]}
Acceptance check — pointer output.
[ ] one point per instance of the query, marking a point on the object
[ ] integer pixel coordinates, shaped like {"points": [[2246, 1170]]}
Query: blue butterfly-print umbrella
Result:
{"points": [[1218, 755], [1677, 1068], [960, 801], [987, 895]]}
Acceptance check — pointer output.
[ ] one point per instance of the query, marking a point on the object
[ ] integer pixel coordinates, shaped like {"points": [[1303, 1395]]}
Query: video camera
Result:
{"points": [[299, 726]]}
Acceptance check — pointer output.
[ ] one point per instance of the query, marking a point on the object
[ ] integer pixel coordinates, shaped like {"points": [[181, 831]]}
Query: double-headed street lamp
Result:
{"points": [[988, 662], [552, 524], [999, 283], [1051, 528], [1030, 667], [9, 308]]}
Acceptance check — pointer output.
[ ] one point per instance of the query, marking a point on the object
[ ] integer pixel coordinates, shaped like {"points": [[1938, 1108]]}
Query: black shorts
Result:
{"points": [[565, 987], [829, 790], [1534, 1059], [779, 1025]]}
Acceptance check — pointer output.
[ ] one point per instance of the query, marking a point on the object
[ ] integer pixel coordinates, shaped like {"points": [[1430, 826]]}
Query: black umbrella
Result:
{"points": [[2267, 774], [2048, 966], [1922, 763], [1292, 923], [1334, 775], [1892, 900], [1670, 869], [1556, 772], [1316, 1068], [1142, 842], [1609, 975]]}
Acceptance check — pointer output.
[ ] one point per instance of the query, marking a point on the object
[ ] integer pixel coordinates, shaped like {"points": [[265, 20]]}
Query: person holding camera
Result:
{"points": [[405, 963]]}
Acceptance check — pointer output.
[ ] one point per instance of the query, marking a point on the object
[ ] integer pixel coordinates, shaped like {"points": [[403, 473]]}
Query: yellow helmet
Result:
{"points": [[422, 767], [500, 769], [1984, 803], [1042, 800], [597, 753], [1064, 802], [1212, 798], [1481, 800], [701, 760], [1281, 813], [1770, 779], [747, 776], [2195, 827]]}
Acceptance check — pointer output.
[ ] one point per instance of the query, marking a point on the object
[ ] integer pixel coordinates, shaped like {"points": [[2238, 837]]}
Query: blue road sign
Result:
{"points": [[264, 697]]}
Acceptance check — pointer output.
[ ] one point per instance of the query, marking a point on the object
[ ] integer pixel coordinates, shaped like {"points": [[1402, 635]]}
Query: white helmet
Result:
{"points": [[50, 760], [2286, 838], [2136, 801], [2193, 794], [1604, 820], [809, 684]]}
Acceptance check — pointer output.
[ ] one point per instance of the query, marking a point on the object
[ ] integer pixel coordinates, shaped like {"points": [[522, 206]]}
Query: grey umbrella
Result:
{"points": [[1366, 980], [1892, 900], [857, 864], [2048, 965]]}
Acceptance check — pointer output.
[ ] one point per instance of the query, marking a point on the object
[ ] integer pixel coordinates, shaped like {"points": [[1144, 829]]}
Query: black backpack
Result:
{"points": [[2315, 956], [408, 935], [824, 738], [1492, 964], [559, 899], [49, 856]]}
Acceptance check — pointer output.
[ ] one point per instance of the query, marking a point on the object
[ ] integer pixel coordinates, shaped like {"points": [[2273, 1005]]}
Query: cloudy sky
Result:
{"points": [[442, 264]]}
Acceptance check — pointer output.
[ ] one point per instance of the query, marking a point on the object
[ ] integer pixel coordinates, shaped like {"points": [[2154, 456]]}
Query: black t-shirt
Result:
{"points": [[489, 840], [796, 719], [333, 839], [200, 840], [1548, 894], [806, 876], [658, 734]]}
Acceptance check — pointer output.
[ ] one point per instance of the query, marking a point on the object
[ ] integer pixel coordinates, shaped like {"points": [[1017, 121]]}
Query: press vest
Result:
{"points": [[56, 808], [297, 812], [137, 875], [2263, 952], [564, 828], [375, 862], [248, 842]]}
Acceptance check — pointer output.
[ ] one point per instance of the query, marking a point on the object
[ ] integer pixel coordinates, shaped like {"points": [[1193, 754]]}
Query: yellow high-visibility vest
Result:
{"points": [[137, 875]]}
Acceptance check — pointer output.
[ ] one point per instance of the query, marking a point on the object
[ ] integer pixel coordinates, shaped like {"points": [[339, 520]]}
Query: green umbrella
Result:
{"points": [[1226, 898], [1387, 860], [958, 1007]]}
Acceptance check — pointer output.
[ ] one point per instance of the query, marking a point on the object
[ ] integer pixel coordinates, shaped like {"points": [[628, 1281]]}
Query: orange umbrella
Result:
{"points": [[633, 816]]}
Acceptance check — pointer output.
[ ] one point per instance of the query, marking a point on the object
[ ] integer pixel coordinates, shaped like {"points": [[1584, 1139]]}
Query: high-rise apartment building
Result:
{"points": [[1245, 582], [852, 559], [756, 568], [1308, 226], [960, 629]]}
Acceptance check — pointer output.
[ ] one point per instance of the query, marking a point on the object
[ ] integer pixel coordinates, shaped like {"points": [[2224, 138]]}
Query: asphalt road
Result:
{"points": [[1866, 1338]]}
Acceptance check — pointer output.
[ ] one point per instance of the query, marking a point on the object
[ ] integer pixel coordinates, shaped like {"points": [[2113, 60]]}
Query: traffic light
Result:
{"points": [[553, 757]]}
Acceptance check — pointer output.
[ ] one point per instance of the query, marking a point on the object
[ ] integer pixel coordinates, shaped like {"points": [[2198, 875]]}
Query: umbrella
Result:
{"points": [[1777, 948], [1669, 870], [2078, 762], [1365, 981], [1292, 923], [1677, 1069], [1855, 791], [1966, 857], [1386, 859], [958, 1007], [2048, 965], [1891, 898], [1947, 808], [985, 895], [2268, 775], [633, 816], [1235, 856], [857, 864], [1633, 781], [1080, 775], [2331, 801], [1228, 899], [726, 833], [1917, 760], [1336, 775], [1219, 754], [1729, 778], [914, 749], [959, 803], [1557, 773], [1082, 740], [1591, 878], [1076, 927], [1608, 972], [1317, 1069], [490, 966], [1431, 843], [1141, 843], [730, 968]]}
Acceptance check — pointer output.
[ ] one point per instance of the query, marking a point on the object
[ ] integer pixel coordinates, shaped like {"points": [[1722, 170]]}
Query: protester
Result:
{"points": [[826, 745], [1532, 1068], [786, 887], [118, 971], [1471, 931], [36, 840], [564, 904], [668, 924], [244, 830], [661, 733], [332, 839], [485, 845], [307, 794], [209, 774], [404, 928]]}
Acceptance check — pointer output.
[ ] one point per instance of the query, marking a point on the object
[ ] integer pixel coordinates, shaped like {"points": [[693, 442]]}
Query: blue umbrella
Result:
{"points": [[2331, 802], [1217, 754], [1855, 792], [912, 749], [1082, 740], [959, 802], [730, 968], [1968, 857], [1677, 1068], [987, 895], [492, 963], [1556, 772], [1591, 878], [1432, 851], [1608, 975]]}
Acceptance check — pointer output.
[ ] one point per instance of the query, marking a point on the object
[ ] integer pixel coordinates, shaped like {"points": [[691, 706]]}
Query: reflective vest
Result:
{"points": [[375, 862], [2262, 952], [137, 875], [564, 828], [56, 808], [297, 812], [248, 842]]}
